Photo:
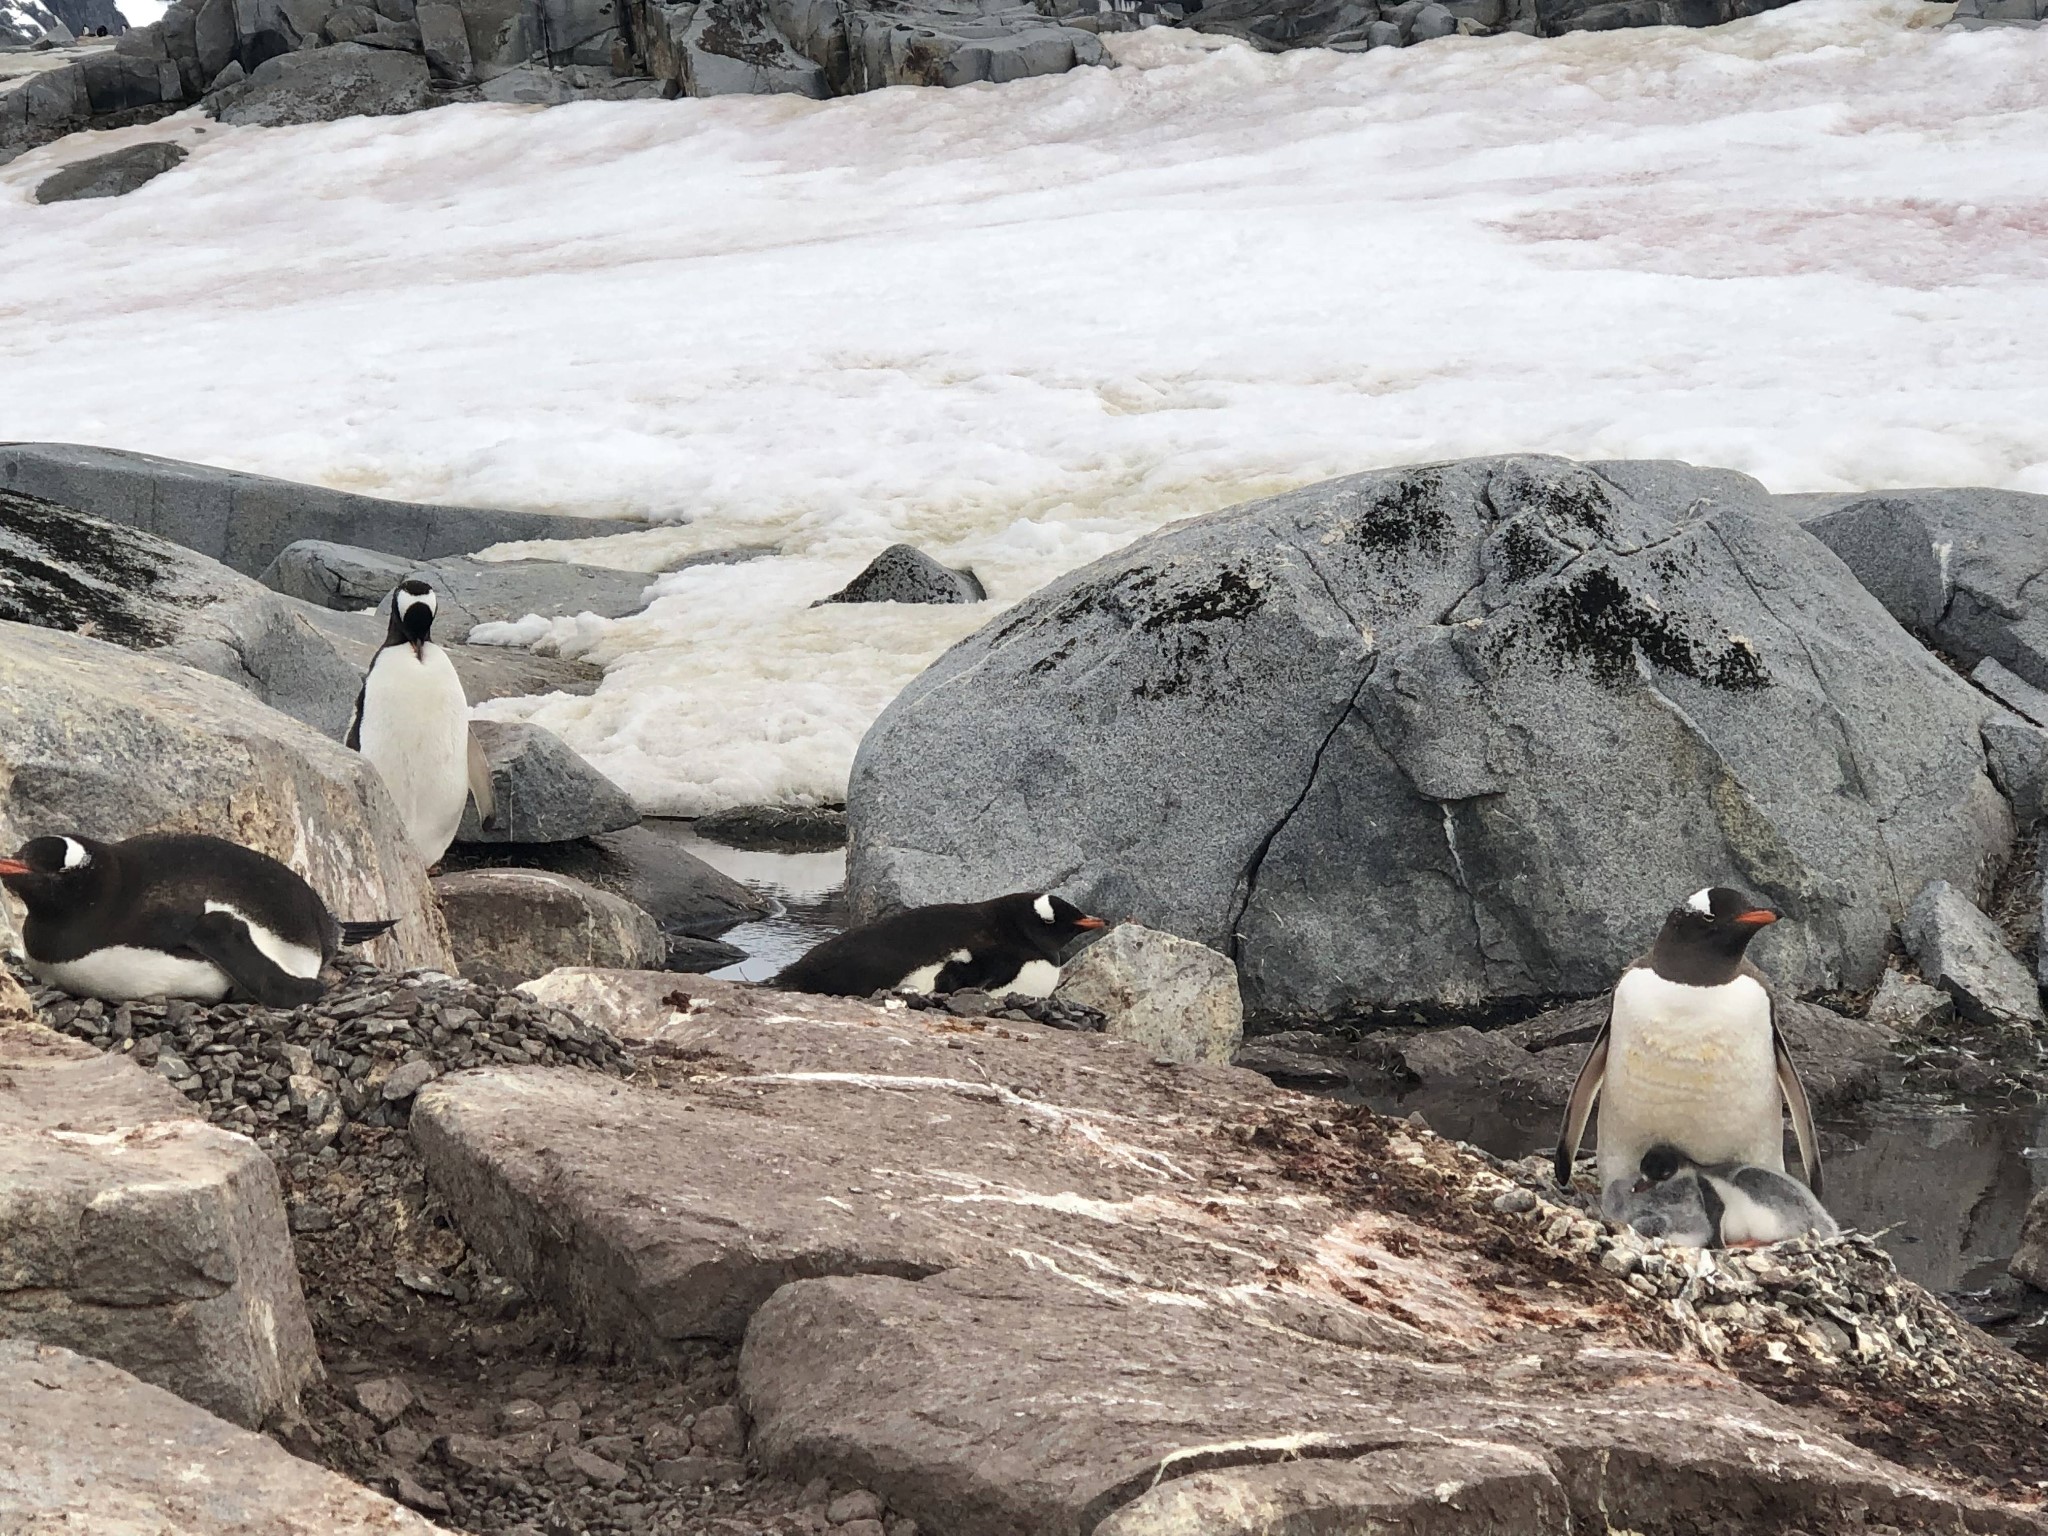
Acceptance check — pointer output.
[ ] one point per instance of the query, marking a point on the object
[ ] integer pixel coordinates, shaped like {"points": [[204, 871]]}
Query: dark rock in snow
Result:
{"points": [[114, 174], [1961, 951], [1959, 566], [1452, 734], [245, 521], [545, 792], [323, 84], [903, 573]]}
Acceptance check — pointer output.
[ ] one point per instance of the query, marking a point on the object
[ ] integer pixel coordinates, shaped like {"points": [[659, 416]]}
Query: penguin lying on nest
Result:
{"points": [[1009, 944], [1728, 1205], [412, 721], [1691, 1057], [173, 915]]}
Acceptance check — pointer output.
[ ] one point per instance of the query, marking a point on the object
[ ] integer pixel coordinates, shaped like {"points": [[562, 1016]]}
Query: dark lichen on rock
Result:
{"points": [[1593, 620], [59, 571], [1410, 515], [1521, 552]]}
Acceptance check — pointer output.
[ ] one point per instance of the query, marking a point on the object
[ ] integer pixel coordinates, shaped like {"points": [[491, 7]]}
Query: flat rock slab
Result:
{"points": [[110, 175], [133, 1230], [92, 1449], [244, 520]]}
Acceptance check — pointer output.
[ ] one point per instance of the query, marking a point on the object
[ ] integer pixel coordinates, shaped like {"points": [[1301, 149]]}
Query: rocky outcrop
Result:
{"points": [[1176, 999], [545, 793], [903, 573], [2030, 1259], [1444, 735], [139, 1233], [1961, 951], [41, 104], [1353, 26], [63, 570], [114, 174], [1958, 566], [487, 671], [350, 79], [245, 521], [472, 592], [91, 1448], [97, 739], [511, 925], [1010, 1282]]}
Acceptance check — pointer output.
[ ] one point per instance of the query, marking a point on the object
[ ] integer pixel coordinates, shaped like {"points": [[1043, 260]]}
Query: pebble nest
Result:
{"points": [[1018, 1007]]}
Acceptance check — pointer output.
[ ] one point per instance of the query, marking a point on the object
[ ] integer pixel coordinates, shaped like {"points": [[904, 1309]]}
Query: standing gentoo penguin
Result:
{"points": [[1727, 1205], [173, 915], [1010, 944], [1691, 1056], [412, 721]]}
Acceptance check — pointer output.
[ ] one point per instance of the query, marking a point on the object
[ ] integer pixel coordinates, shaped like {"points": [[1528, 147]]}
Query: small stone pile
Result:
{"points": [[971, 1003], [358, 1054]]}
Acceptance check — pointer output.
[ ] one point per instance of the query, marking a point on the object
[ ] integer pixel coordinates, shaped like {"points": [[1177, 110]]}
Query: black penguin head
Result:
{"points": [[1704, 937], [1051, 922], [53, 875], [1660, 1163], [412, 614]]}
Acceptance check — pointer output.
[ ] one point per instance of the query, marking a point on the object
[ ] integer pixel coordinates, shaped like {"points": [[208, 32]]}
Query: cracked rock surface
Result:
{"points": [[1448, 735]]}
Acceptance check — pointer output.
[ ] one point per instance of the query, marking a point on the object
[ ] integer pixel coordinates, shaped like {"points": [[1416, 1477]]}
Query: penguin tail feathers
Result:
{"points": [[362, 933]]}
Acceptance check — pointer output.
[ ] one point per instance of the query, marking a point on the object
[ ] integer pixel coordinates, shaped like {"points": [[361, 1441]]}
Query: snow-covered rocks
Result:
{"points": [[134, 1231]]}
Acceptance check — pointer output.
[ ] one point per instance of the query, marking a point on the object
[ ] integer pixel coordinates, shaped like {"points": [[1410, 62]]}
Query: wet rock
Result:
{"points": [[2018, 754], [1905, 1006], [507, 926], [1958, 566], [1355, 728], [775, 828], [1294, 1059], [114, 174], [91, 1448], [1174, 998], [902, 573], [136, 1231], [64, 570], [322, 85], [694, 955], [2030, 1259], [545, 792], [114, 744], [1961, 951], [244, 521], [651, 866], [472, 591]]}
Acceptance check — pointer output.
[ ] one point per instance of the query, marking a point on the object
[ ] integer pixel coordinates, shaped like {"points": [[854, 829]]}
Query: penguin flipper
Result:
{"points": [[1802, 1109], [480, 784], [354, 740], [1579, 1108], [224, 939]]}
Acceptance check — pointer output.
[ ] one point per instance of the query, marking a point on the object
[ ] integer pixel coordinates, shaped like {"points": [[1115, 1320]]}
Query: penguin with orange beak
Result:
{"points": [[1691, 1057]]}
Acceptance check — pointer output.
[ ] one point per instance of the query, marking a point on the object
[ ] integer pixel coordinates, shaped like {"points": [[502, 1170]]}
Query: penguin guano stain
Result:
{"points": [[1595, 622], [57, 572]]}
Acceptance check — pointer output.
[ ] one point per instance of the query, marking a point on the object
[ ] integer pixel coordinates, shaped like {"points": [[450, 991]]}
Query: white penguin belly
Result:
{"points": [[925, 977], [292, 959], [1691, 1066], [1035, 978], [121, 972], [415, 728]]}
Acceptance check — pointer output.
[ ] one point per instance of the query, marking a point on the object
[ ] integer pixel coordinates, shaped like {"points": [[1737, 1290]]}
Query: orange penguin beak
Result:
{"points": [[13, 867], [1089, 922], [1762, 917]]}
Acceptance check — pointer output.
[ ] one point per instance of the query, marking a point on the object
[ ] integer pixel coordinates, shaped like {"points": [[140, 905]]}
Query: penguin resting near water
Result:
{"points": [[412, 721], [1728, 1205], [173, 915], [1691, 1057], [1009, 944]]}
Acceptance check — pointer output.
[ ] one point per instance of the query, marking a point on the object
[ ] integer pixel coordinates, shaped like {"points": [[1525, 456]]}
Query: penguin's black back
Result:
{"points": [[162, 883], [878, 955]]}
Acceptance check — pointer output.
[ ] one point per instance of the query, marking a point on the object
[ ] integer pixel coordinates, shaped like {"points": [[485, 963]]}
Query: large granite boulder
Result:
{"points": [[90, 1448], [473, 592], [131, 1229], [323, 84], [63, 570], [100, 740], [245, 521], [1446, 735], [545, 793], [1961, 567]]}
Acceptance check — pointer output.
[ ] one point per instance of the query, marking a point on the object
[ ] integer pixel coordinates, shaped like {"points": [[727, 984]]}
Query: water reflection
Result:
{"points": [[809, 892]]}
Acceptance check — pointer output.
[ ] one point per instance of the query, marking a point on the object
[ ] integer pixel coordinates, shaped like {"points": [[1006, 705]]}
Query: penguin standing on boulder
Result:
{"points": [[173, 915], [1728, 1205], [1691, 1057], [412, 721], [1009, 944]]}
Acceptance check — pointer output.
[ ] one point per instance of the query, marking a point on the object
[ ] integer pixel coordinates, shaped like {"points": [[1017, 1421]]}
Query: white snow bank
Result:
{"points": [[1019, 325]]}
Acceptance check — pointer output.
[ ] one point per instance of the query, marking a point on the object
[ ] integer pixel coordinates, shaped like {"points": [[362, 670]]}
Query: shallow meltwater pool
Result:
{"points": [[809, 892]]}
